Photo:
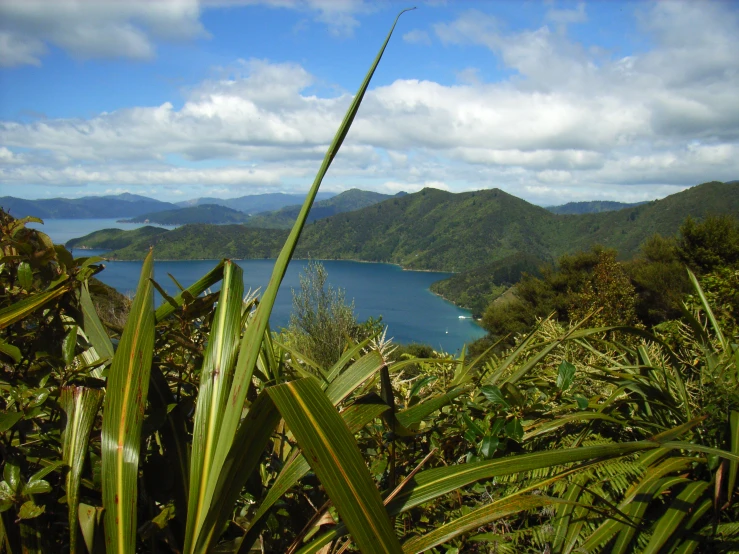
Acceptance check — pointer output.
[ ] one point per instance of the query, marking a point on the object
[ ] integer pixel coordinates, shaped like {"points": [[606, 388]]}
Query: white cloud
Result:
{"points": [[100, 29], [565, 16], [569, 121], [131, 28], [417, 36]]}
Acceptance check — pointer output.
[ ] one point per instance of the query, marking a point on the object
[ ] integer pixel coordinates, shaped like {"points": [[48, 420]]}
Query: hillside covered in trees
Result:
{"points": [[437, 230]]}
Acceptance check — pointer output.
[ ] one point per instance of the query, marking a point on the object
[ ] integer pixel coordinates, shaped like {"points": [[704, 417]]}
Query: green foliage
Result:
{"points": [[711, 243], [112, 239], [594, 207], [608, 295], [475, 289], [321, 322]]}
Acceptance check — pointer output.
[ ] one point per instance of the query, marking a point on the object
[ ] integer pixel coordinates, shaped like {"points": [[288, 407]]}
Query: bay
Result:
{"points": [[402, 298]]}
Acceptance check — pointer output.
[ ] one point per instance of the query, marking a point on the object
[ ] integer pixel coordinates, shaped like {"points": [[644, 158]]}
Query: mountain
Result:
{"points": [[256, 203], [348, 201], [112, 239], [438, 230], [204, 213], [476, 288], [87, 207], [594, 207]]}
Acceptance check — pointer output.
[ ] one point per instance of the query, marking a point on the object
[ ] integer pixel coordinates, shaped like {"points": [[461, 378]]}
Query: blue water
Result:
{"points": [[411, 312]]}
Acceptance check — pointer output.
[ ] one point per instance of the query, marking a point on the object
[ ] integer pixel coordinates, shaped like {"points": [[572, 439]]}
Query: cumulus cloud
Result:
{"points": [[106, 28], [417, 36], [567, 122], [131, 29]]}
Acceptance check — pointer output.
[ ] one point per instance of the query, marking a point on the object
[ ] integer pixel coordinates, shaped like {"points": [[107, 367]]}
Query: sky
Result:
{"points": [[550, 101]]}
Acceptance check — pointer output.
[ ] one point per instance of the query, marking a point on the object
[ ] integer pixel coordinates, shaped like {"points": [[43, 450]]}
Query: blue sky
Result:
{"points": [[550, 101]]}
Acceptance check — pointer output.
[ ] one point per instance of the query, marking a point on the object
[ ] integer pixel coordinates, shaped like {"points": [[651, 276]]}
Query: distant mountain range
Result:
{"points": [[256, 203], [594, 207], [87, 207], [284, 218], [438, 230], [348, 201], [128, 205]]}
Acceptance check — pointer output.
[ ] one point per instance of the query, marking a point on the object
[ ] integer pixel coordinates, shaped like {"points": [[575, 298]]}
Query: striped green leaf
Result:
{"points": [[355, 418], [92, 325], [123, 413], [27, 306], [669, 523], [433, 483], [476, 519], [215, 379], [333, 454], [81, 405]]}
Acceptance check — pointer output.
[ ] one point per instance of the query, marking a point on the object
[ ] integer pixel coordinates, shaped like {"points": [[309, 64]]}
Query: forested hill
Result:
{"points": [[438, 230], [347, 201], [594, 207], [203, 213]]}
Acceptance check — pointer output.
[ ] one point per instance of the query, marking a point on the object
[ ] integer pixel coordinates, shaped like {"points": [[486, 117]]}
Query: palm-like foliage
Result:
{"points": [[211, 431]]}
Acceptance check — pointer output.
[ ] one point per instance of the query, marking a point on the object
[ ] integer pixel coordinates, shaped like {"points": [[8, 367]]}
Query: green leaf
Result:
{"points": [[25, 276], [125, 401], [37, 487], [707, 309], [352, 377], [23, 308], [29, 510], [8, 419], [514, 430], [92, 325], [476, 519], [91, 518], [355, 417], [565, 375], [420, 383], [582, 402], [494, 395], [734, 440], [211, 406], [488, 446], [669, 523], [416, 414], [12, 476], [69, 344], [194, 290], [11, 351], [250, 348], [335, 458], [81, 405]]}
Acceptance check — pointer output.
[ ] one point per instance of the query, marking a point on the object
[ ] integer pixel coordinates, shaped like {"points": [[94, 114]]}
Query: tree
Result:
{"points": [[711, 243], [610, 290], [321, 321]]}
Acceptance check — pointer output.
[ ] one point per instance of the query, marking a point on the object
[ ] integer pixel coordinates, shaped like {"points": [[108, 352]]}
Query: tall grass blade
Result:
{"points": [[251, 342], [123, 413]]}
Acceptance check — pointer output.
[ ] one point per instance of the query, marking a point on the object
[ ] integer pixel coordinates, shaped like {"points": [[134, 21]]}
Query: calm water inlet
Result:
{"points": [[411, 312]]}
